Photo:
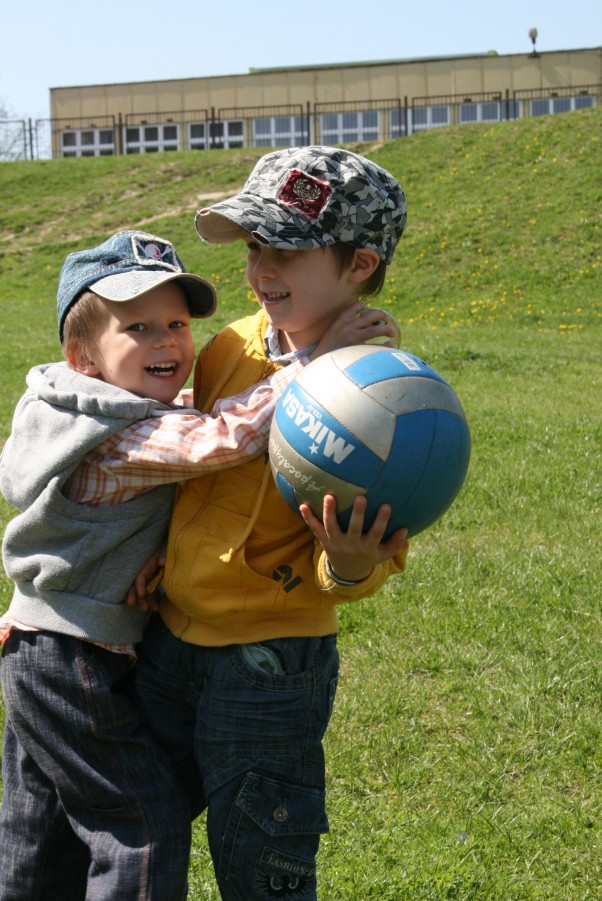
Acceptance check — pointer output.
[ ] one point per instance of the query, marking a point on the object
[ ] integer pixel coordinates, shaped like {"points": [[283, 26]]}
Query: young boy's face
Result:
{"points": [[146, 346], [301, 291]]}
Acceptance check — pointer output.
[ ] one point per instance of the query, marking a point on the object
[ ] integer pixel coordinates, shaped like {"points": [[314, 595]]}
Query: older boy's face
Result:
{"points": [[147, 347], [301, 291]]}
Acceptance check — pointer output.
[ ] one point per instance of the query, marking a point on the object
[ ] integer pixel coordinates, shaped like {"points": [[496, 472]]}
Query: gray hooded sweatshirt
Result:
{"points": [[73, 563]]}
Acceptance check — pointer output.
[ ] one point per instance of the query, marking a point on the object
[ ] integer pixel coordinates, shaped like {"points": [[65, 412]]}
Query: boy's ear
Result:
{"points": [[365, 262], [79, 359]]}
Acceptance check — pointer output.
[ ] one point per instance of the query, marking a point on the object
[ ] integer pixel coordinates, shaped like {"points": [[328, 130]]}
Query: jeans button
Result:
{"points": [[280, 814]]}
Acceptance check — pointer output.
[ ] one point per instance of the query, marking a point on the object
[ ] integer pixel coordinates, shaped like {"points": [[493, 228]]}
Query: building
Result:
{"points": [[329, 104]]}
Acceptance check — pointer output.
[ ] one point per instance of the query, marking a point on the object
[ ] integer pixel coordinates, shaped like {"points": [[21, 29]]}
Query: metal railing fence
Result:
{"points": [[335, 122]]}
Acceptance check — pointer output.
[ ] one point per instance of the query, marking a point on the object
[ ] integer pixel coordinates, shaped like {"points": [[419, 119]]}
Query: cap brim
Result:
{"points": [[218, 228], [272, 223], [124, 286]]}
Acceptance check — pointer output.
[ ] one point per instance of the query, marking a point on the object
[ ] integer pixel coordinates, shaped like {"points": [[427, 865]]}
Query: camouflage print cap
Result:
{"points": [[307, 197]]}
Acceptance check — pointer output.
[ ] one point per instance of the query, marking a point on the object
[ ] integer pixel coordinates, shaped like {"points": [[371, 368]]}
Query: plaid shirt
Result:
{"points": [[168, 449]]}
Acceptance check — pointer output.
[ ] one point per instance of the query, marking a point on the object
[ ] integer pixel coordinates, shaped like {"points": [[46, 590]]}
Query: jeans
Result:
{"points": [[91, 809], [243, 726]]}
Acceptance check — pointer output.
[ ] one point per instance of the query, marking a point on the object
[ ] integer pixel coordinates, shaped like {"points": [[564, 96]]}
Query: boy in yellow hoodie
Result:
{"points": [[238, 672]]}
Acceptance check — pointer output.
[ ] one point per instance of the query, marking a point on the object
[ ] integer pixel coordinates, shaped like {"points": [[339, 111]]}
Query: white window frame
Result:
{"points": [[151, 137], [278, 131], [398, 129], [87, 142], [543, 106], [349, 126], [481, 111], [232, 134], [197, 141], [431, 117], [226, 134]]}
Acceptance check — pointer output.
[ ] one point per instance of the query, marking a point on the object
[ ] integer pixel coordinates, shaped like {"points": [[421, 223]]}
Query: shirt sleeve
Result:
{"points": [[179, 446], [340, 594]]}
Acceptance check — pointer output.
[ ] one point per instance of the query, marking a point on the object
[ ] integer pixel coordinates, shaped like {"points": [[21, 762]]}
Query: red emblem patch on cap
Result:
{"points": [[305, 193]]}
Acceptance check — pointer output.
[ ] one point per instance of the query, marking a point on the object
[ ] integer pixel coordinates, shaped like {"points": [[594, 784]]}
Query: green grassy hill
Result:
{"points": [[503, 225], [464, 752]]}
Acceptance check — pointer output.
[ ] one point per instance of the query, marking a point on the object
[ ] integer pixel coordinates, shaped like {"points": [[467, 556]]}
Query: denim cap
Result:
{"points": [[126, 266], [307, 197]]}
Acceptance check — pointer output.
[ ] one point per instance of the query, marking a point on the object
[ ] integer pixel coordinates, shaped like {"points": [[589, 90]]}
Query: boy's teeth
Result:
{"points": [[166, 369]]}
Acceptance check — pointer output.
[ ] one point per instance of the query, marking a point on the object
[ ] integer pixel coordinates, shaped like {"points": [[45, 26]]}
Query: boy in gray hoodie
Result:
{"points": [[91, 808]]}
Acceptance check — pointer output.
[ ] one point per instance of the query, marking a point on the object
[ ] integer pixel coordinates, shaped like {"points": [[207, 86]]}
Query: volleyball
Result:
{"points": [[374, 421]]}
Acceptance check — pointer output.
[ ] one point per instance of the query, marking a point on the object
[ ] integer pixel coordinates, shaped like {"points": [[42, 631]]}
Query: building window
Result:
{"points": [[197, 136], [469, 112], [583, 101], [397, 123], [219, 135], [106, 142], [341, 128], [561, 104], [512, 109], [542, 106], [424, 117], [489, 111], [88, 142], [151, 138], [277, 131], [227, 134]]}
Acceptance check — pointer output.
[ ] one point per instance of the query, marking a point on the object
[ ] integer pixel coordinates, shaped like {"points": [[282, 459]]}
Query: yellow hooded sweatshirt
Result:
{"points": [[241, 565]]}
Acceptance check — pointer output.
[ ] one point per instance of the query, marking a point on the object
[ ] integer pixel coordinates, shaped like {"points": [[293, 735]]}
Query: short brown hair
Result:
{"points": [[84, 323], [344, 256]]}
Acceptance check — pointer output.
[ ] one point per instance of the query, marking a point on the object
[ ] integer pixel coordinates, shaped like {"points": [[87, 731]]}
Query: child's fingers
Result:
{"points": [[394, 543], [374, 535], [312, 521], [379, 324], [354, 309], [332, 530], [356, 520], [377, 529]]}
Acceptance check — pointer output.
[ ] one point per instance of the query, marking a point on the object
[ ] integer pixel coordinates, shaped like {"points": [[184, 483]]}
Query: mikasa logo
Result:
{"points": [[332, 446]]}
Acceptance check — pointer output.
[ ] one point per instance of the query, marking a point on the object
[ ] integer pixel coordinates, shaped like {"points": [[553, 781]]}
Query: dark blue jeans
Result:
{"points": [[91, 806], [243, 726]]}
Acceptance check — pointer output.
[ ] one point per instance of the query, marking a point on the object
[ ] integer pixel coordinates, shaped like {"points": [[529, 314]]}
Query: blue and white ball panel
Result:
{"points": [[380, 364], [298, 479], [373, 421], [320, 437], [401, 395], [411, 479], [366, 365], [340, 399], [395, 379]]}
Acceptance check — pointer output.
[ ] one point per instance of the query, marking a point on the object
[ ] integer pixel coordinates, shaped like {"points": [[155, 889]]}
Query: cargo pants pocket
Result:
{"points": [[271, 840]]}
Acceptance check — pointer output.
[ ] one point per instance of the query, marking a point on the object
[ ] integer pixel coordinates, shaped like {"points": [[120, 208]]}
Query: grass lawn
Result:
{"points": [[464, 752]]}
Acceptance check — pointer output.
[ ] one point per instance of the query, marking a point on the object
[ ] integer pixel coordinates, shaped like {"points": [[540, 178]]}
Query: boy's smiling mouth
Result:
{"points": [[162, 369], [273, 296]]}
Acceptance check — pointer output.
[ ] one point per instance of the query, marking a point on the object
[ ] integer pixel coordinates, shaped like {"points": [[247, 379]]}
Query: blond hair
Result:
{"points": [[83, 325]]}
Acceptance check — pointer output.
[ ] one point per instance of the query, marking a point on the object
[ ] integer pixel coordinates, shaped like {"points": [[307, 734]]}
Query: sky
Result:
{"points": [[75, 42]]}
